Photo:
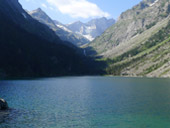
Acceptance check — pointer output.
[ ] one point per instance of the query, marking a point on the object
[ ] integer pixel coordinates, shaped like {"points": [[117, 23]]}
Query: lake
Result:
{"points": [[86, 102]]}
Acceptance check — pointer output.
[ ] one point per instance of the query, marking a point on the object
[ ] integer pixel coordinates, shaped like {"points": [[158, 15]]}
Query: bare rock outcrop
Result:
{"points": [[3, 104]]}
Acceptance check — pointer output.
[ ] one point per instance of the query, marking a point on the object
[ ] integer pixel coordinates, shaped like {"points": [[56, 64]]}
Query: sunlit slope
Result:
{"points": [[130, 25], [139, 43], [150, 58]]}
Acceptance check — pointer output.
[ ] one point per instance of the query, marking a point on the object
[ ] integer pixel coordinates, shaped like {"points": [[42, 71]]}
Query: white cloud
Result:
{"points": [[43, 5], [78, 8]]}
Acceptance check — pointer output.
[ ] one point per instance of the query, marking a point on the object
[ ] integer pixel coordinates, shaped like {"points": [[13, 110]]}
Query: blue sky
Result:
{"points": [[67, 11]]}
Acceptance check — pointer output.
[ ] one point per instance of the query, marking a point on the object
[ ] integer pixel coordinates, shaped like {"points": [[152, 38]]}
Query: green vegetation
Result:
{"points": [[165, 72], [131, 23], [138, 53], [150, 25], [23, 54], [153, 67]]}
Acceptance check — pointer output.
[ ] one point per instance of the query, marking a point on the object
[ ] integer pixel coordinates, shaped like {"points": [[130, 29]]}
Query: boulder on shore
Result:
{"points": [[3, 104]]}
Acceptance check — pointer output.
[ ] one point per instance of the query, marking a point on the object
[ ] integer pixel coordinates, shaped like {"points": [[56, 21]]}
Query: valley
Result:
{"points": [[137, 44]]}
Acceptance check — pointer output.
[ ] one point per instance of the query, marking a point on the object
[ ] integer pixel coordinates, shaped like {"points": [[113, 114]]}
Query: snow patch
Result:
{"points": [[89, 37], [91, 27], [153, 3], [64, 28]]}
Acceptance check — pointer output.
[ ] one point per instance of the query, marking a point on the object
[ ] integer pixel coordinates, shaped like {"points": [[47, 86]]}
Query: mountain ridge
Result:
{"points": [[42, 17], [138, 44], [131, 23], [26, 53], [78, 29], [92, 28]]}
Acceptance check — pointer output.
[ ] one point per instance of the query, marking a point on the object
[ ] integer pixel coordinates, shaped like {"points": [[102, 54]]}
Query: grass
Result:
{"points": [[164, 73], [153, 67], [127, 61]]}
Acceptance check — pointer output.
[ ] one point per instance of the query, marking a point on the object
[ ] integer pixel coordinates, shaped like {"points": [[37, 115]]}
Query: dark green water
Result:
{"points": [[86, 102]]}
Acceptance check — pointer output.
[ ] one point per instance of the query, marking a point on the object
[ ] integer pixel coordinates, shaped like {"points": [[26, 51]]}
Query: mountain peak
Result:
{"points": [[39, 10], [78, 22], [41, 16], [103, 18], [91, 29]]}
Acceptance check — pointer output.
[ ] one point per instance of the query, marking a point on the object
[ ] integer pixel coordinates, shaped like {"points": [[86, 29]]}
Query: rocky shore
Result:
{"points": [[3, 104]]}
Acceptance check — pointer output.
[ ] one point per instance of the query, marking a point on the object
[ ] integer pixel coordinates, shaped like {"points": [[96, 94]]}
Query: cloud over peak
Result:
{"points": [[78, 8]]}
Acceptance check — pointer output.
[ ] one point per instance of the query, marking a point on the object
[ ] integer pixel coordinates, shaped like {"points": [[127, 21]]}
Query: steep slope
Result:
{"points": [[14, 11], [58, 28], [25, 54], [151, 58], [139, 43], [131, 24], [62, 26], [91, 29]]}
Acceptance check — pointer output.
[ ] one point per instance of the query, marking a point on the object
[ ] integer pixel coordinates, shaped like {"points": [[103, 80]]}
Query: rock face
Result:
{"points": [[3, 104], [29, 48], [14, 11], [130, 24], [78, 33], [149, 58], [91, 29], [58, 28], [139, 43]]}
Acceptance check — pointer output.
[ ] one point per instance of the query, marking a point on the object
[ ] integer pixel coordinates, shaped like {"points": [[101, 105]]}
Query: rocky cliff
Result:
{"points": [[58, 28], [130, 24], [138, 44]]}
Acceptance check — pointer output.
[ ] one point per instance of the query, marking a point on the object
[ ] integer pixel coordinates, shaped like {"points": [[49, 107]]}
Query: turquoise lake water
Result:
{"points": [[86, 102]]}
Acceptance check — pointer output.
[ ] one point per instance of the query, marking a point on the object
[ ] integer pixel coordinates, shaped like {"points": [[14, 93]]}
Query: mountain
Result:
{"points": [[78, 33], [19, 16], [91, 29], [138, 44], [62, 26], [24, 52], [131, 24], [151, 58], [58, 28]]}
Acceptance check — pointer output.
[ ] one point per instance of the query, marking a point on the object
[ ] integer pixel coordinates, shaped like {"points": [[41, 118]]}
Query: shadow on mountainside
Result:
{"points": [[98, 65]]}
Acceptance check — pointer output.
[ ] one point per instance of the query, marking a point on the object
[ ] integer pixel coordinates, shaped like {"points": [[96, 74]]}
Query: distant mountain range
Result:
{"points": [[58, 28], [78, 33], [91, 29]]}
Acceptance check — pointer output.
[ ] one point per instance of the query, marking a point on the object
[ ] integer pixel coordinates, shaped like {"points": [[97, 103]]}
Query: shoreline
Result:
{"points": [[35, 78]]}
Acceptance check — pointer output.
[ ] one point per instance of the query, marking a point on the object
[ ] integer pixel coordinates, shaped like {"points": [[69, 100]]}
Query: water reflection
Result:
{"points": [[86, 102]]}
